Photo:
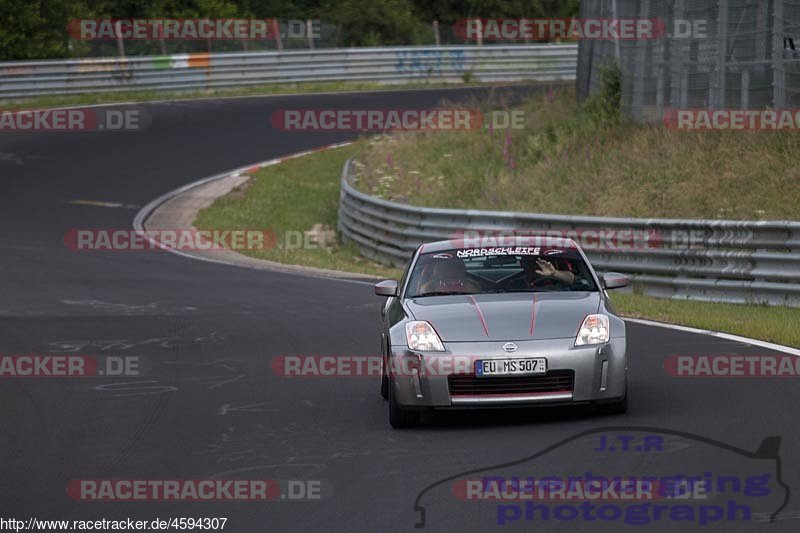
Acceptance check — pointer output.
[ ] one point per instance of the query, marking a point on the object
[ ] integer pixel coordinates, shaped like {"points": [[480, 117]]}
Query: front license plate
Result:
{"points": [[519, 366]]}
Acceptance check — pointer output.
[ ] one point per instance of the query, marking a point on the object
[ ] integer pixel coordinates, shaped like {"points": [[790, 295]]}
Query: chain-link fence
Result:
{"points": [[721, 54]]}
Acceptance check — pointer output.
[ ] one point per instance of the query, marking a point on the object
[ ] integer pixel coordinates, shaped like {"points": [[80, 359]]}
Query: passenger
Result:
{"points": [[538, 272]]}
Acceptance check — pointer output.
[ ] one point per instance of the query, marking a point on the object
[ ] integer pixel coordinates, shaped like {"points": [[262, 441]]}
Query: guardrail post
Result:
{"points": [[276, 29], [120, 42], [162, 44], [310, 33]]}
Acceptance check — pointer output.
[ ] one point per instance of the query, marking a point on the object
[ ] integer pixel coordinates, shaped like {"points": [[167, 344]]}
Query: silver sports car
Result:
{"points": [[528, 322]]}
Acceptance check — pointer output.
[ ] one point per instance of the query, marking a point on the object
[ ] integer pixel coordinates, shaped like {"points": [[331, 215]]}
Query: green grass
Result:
{"points": [[773, 324], [56, 100], [569, 161], [294, 197]]}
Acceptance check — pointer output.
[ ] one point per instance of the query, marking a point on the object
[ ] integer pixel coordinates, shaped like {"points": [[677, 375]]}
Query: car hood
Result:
{"points": [[505, 317]]}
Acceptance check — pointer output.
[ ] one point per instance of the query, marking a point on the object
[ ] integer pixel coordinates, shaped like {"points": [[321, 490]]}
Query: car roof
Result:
{"points": [[462, 241]]}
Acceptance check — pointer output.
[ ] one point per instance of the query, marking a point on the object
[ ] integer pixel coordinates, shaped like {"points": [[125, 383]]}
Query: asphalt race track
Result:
{"points": [[210, 407]]}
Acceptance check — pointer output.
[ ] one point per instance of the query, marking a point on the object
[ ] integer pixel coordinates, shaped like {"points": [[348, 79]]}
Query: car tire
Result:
{"points": [[616, 408], [384, 381], [400, 418], [619, 407]]}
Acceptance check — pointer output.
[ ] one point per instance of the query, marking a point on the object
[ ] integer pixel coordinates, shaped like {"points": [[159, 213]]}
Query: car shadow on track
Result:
{"points": [[485, 418]]}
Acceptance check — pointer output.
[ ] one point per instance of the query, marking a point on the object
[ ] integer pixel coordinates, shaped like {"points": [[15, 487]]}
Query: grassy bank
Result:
{"points": [[576, 162], [773, 324], [297, 196], [301, 193]]}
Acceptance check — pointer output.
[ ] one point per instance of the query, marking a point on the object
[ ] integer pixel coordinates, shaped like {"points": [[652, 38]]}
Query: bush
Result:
{"points": [[604, 107]]}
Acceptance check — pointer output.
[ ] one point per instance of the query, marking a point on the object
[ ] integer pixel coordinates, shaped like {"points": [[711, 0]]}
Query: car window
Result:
{"points": [[406, 271], [497, 270]]}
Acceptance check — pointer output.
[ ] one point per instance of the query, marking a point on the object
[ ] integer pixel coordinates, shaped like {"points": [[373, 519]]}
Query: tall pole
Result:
{"points": [[276, 29], [637, 100], [120, 42], [778, 71], [719, 101], [310, 33]]}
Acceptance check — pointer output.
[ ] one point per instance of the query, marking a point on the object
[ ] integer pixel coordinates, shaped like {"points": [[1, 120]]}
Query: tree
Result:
{"points": [[35, 29]]}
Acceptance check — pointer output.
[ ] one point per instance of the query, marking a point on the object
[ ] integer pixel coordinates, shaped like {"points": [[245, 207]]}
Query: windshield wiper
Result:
{"points": [[443, 293], [500, 291]]}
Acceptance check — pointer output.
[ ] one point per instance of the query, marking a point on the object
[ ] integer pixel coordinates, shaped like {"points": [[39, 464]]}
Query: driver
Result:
{"points": [[449, 275], [537, 272]]}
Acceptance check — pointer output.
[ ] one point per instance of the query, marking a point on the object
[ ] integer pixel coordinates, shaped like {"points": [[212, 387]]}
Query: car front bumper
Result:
{"points": [[598, 374]]}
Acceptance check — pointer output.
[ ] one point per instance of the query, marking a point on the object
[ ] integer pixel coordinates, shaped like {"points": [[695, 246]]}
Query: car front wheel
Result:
{"points": [[616, 408], [384, 381], [619, 407], [400, 418]]}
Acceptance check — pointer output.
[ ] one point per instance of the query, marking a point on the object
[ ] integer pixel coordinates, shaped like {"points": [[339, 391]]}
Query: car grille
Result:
{"points": [[470, 385]]}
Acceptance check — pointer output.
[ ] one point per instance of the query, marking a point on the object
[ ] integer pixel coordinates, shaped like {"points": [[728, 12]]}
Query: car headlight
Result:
{"points": [[422, 337], [594, 330]]}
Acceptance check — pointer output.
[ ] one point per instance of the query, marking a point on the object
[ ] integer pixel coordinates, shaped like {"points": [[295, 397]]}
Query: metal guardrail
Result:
{"points": [[536, 62], [712, 260]]}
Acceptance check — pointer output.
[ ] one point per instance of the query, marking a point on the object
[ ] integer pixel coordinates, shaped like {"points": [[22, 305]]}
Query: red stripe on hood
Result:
{"points": [[480, 315]]}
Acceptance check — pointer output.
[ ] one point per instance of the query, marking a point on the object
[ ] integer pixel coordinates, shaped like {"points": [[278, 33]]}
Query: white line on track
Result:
{"points": [[147, 210], [718, 334]]}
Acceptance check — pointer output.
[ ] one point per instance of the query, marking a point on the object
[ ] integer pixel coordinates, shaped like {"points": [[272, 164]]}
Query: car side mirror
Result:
{"points": [[615, 280], [386, 288]]}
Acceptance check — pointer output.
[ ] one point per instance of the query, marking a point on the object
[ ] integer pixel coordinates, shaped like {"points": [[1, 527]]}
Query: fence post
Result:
{"points": [[310, 33], [276, 29], [639, 69], [162, 44], [744, 98], [436, 37], [722, 54], [778, 72], [120, 42], [663, 51], [762, 36], [677, 53], [615, 16]]}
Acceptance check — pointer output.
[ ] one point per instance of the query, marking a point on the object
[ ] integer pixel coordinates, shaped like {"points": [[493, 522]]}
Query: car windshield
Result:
{"points": [[499, 270]]}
